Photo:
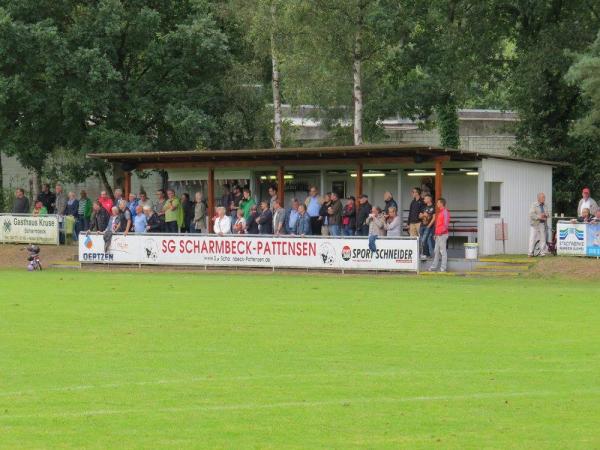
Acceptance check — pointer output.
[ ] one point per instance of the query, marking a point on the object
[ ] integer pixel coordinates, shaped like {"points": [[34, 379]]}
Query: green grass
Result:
{"points": [[236, 361]]}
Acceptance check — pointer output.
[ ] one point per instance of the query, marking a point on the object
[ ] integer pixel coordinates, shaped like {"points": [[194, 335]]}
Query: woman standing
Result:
{"points": [[198, 224]]}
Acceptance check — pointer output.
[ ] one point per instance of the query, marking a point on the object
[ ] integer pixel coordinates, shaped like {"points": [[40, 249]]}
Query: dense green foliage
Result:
{"points": [[173, 361], [117, 75]]}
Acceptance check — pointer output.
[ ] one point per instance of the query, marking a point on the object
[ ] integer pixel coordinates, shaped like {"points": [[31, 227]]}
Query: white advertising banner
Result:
{"points": [[571, 238], [29, 229], [252, 251]]}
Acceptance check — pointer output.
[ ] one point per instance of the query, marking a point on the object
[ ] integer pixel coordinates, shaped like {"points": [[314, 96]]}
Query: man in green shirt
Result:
{"points": [[172, 209], [246, 203]]}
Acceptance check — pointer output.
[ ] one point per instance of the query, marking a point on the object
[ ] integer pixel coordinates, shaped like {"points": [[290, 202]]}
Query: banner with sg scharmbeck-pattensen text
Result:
{"points": [[29, 229], [578, 239], [251, 251]]}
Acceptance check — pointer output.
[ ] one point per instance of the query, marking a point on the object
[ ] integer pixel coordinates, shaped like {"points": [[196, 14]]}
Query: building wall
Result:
{"points": [[521, 182]]}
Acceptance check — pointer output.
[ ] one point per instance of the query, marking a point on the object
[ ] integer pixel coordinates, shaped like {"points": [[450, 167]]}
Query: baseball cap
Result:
{"points": [[364, 196]]}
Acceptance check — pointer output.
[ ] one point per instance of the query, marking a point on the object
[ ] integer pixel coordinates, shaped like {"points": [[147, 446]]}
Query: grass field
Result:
{"points": [[178, 360]]}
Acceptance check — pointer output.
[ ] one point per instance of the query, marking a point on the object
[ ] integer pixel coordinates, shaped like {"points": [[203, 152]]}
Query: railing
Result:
{"points": [[236, 250]]}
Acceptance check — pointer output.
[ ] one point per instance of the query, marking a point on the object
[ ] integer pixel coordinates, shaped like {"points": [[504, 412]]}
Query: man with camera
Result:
{"points": [[538, 217]]}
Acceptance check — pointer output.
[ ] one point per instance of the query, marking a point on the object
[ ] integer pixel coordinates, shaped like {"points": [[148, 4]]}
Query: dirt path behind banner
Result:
{"points": [[15, 255], [576, 268]]}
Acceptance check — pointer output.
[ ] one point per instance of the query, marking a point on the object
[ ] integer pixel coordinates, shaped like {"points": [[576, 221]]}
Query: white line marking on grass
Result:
{"points": [[304, 404], [397, 373]]}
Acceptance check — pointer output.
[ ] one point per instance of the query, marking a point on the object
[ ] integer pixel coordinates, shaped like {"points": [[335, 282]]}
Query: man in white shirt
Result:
{"points": [[586, 202], [222, 222]]}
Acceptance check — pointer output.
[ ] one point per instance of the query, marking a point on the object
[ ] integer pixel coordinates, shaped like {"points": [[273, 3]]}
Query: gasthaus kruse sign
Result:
{"points": [[29, 229], [341, 253]]}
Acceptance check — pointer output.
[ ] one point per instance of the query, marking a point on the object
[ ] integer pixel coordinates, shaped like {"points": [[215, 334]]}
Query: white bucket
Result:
{"points": [[471, 250]]}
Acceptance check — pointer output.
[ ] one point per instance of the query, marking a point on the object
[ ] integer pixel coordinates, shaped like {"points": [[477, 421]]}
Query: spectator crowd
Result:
{"points": [[238, 213]]}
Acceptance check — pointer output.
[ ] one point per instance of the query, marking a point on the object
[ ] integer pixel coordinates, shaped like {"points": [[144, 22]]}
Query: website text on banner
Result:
{"points": [[29, 229], [578, 239], [252, 251]]}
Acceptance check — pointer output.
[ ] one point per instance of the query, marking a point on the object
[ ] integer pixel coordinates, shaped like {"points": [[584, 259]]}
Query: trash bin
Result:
{"points": [[471, 250]]}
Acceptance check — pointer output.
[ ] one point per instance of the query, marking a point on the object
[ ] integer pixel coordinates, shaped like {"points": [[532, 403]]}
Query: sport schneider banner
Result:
{"points": [[578, 239], [29, 229], [252, 251]]}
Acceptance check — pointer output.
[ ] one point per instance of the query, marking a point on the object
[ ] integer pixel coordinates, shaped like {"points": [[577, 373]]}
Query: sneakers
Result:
{"points": [[424, 257], [432, 269]]}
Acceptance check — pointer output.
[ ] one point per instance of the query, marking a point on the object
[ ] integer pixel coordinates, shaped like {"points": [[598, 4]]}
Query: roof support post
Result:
{"points": [[127, 184], [358, 184], [439, 182], [281, 186], [211, 198]]}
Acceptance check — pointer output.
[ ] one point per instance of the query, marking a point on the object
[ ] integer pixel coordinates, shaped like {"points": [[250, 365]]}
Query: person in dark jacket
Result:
{"points": [[251, 223], [188, 212], [416, 206], [389, 202], [21, 204], [349, 217], [99, 219], [72, 208], [153, 222], [47, 198], [265, 219], [362, 213], [303, 224], [324, 215], [334, 215]]}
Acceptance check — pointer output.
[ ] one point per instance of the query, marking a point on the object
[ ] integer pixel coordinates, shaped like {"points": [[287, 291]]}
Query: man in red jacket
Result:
{"points": [[442, 223]]}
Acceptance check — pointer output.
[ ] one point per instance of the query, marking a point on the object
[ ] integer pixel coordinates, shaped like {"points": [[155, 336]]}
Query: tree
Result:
{"points": [[547, 36], [443, 51], [31, 55], [331, 54]]}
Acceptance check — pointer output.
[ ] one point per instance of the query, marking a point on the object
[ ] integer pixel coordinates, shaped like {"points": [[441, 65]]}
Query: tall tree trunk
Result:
{"points": [[357, 89], [107, 186], [2, 196], [276, 83], [447, 120]]}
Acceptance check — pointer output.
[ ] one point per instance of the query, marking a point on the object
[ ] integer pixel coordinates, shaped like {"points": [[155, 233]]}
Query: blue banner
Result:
{"points": [[592, 244]]}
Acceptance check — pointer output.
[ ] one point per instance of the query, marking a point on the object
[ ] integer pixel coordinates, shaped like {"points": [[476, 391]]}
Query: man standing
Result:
{"points": [[47, 198], [118, 195], [133, 204], [172, 209], [153, 222], [427, 217], [272, 197], [199, 219], [106, 202], [313, 207], [21, 204], [265, 219], [60, 200], [99, 219], [364, 209], [389, 203], [247, 203], [291, 216], [278, 218], [84, 213], [416, 205], [538, 215], [144, 200], [140, 221], [586, 202], [125, 219], [442, 223], [334, 215], [303, 226], [222, 222]]}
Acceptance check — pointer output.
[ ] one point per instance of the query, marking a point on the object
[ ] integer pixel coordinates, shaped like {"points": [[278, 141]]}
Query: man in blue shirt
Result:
{"points": [[139, 220], [291, 216], [133, 203], [313, 207]]}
